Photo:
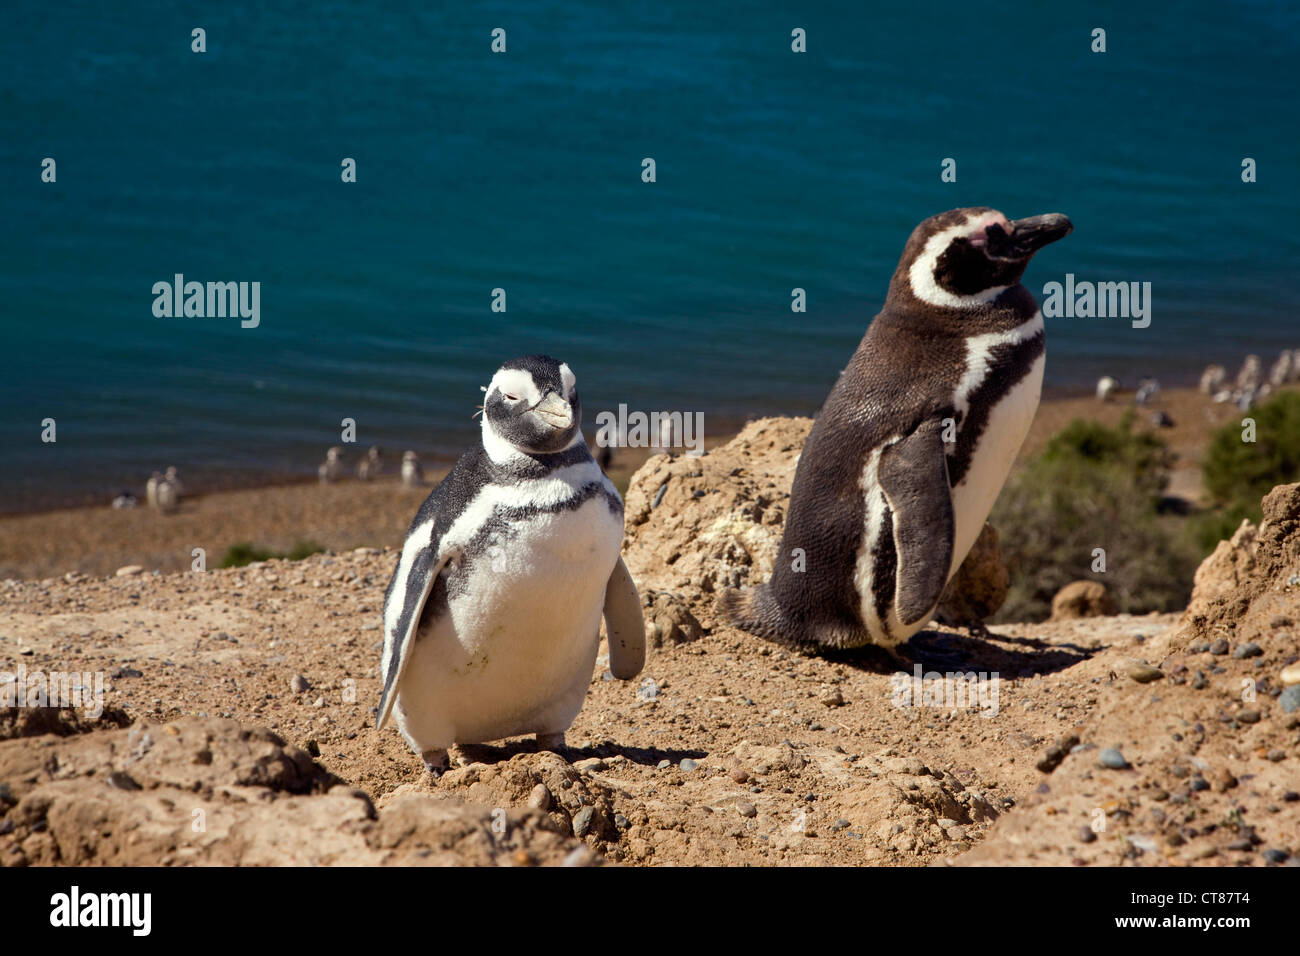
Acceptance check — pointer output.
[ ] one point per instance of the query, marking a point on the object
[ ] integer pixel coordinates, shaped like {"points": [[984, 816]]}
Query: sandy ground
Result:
{"points": [[354, 514], [249, 694]]}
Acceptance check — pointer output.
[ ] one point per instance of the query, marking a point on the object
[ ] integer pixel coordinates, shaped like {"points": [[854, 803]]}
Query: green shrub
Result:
{"points": [[1093, 487], [1238, 472], [245, 553]]}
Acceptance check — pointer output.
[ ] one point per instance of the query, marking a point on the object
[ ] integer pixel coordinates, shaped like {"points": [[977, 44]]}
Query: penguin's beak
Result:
{"points": [[1029, 235], [554, 411]]}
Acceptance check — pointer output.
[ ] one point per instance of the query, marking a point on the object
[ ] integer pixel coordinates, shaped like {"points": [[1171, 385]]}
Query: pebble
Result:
{"points": [[622, 822], [1247, 650], [128, 570], [746, 809], [841, 824], [1276, 856], [1249, 716], [590, 765], [833, 698], [1198, 784], [540, 798], [1199, 682], [127, 672], [122, 781], [739, 774], [1291, 674], [664, 764], [1145, 673], [648, 690], [1290, 699], [582, 821], [1087, 835], [299, 684], [688, 765], [1219, 647], [1112, 759]]}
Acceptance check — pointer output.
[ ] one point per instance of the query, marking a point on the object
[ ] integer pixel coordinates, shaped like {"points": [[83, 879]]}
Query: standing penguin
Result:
{"points": [[412, 472], [492, 618], [914, 442]]}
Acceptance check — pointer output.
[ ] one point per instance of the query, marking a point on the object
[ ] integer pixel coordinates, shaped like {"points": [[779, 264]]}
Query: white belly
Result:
{"points": [[1008, 424], [513, 653]]}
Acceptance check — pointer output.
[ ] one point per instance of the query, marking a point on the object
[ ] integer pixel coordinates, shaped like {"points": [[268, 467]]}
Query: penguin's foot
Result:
{"points": [[436, 762], [551, 742]]}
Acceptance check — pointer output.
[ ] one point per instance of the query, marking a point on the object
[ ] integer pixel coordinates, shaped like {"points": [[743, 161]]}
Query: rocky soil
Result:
{"points": [[239, 712]]}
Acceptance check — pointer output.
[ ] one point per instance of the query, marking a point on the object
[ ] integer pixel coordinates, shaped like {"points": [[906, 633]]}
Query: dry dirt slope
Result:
{"points": [[729, 751]]}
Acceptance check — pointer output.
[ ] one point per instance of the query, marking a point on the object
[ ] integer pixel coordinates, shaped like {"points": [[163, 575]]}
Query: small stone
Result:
{"points": [[663, 764], [299, 684], [1198, 784], [688, 765], [1290, 699], [540, 798], [833, 698], [1276, 856], [318, 702], [127, 672], [1145, 673], [1291, 674], [841, 824], [1219, 647], [746, 809], [1247, 650], [1199, 682], [1249, 716], [122, 781], [739, 774], [128, 570], [1112, 759], [582, 821], [1087, 835]]}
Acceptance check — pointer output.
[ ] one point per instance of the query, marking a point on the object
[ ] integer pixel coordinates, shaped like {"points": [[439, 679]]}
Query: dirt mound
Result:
{"points": [[207, 790]]}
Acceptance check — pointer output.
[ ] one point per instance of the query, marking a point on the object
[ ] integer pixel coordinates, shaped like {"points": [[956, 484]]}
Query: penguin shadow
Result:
{"points": [[647, 756], [943, 649]]}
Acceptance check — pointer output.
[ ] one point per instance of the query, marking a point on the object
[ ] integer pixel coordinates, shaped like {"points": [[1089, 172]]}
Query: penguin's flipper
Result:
{"points": [[417, 572], [624, 624], [914, 478]]}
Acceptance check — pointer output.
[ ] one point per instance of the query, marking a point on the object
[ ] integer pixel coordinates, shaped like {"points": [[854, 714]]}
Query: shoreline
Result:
{"points": [[281, 515]]}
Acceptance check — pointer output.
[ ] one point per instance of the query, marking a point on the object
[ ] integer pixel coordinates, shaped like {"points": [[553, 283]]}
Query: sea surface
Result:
{"points": [[522, 171]]}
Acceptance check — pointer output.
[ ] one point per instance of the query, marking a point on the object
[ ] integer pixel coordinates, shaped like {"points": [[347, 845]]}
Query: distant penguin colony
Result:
{"points": [[914, 442], [492, 618]]}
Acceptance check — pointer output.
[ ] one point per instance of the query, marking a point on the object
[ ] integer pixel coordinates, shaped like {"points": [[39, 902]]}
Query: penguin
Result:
{"points": [[166, 499], [1106, 386], [125, 500], [372, 465], [1148, 389], [151, 489], [1280, 373], [329, 469], [412, 473], [1212, 379], [914, 441], [492, 617], [174, 478]]}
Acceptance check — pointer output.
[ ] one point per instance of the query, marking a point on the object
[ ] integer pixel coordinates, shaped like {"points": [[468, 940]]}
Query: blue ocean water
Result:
{"points": [[522, 171]]}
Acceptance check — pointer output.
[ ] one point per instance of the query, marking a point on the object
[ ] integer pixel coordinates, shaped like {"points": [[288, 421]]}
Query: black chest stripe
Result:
{"points": [[1009, 364]]}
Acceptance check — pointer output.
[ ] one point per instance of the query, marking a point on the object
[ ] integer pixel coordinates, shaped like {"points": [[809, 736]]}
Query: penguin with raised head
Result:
{"points": [[412, 470], [913, 443], [492, 617]]}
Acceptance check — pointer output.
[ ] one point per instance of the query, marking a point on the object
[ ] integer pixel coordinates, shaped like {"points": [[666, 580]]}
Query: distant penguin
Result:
{"points": [[1251, 374], [1213, 379], [172, 476], [372, 465], [125, 500], [412, 473], [492, 618], [1148, 389], [332, 466], [151, 489], [1106, 387], [167, 498], [914, 442], [1280, 373]]}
